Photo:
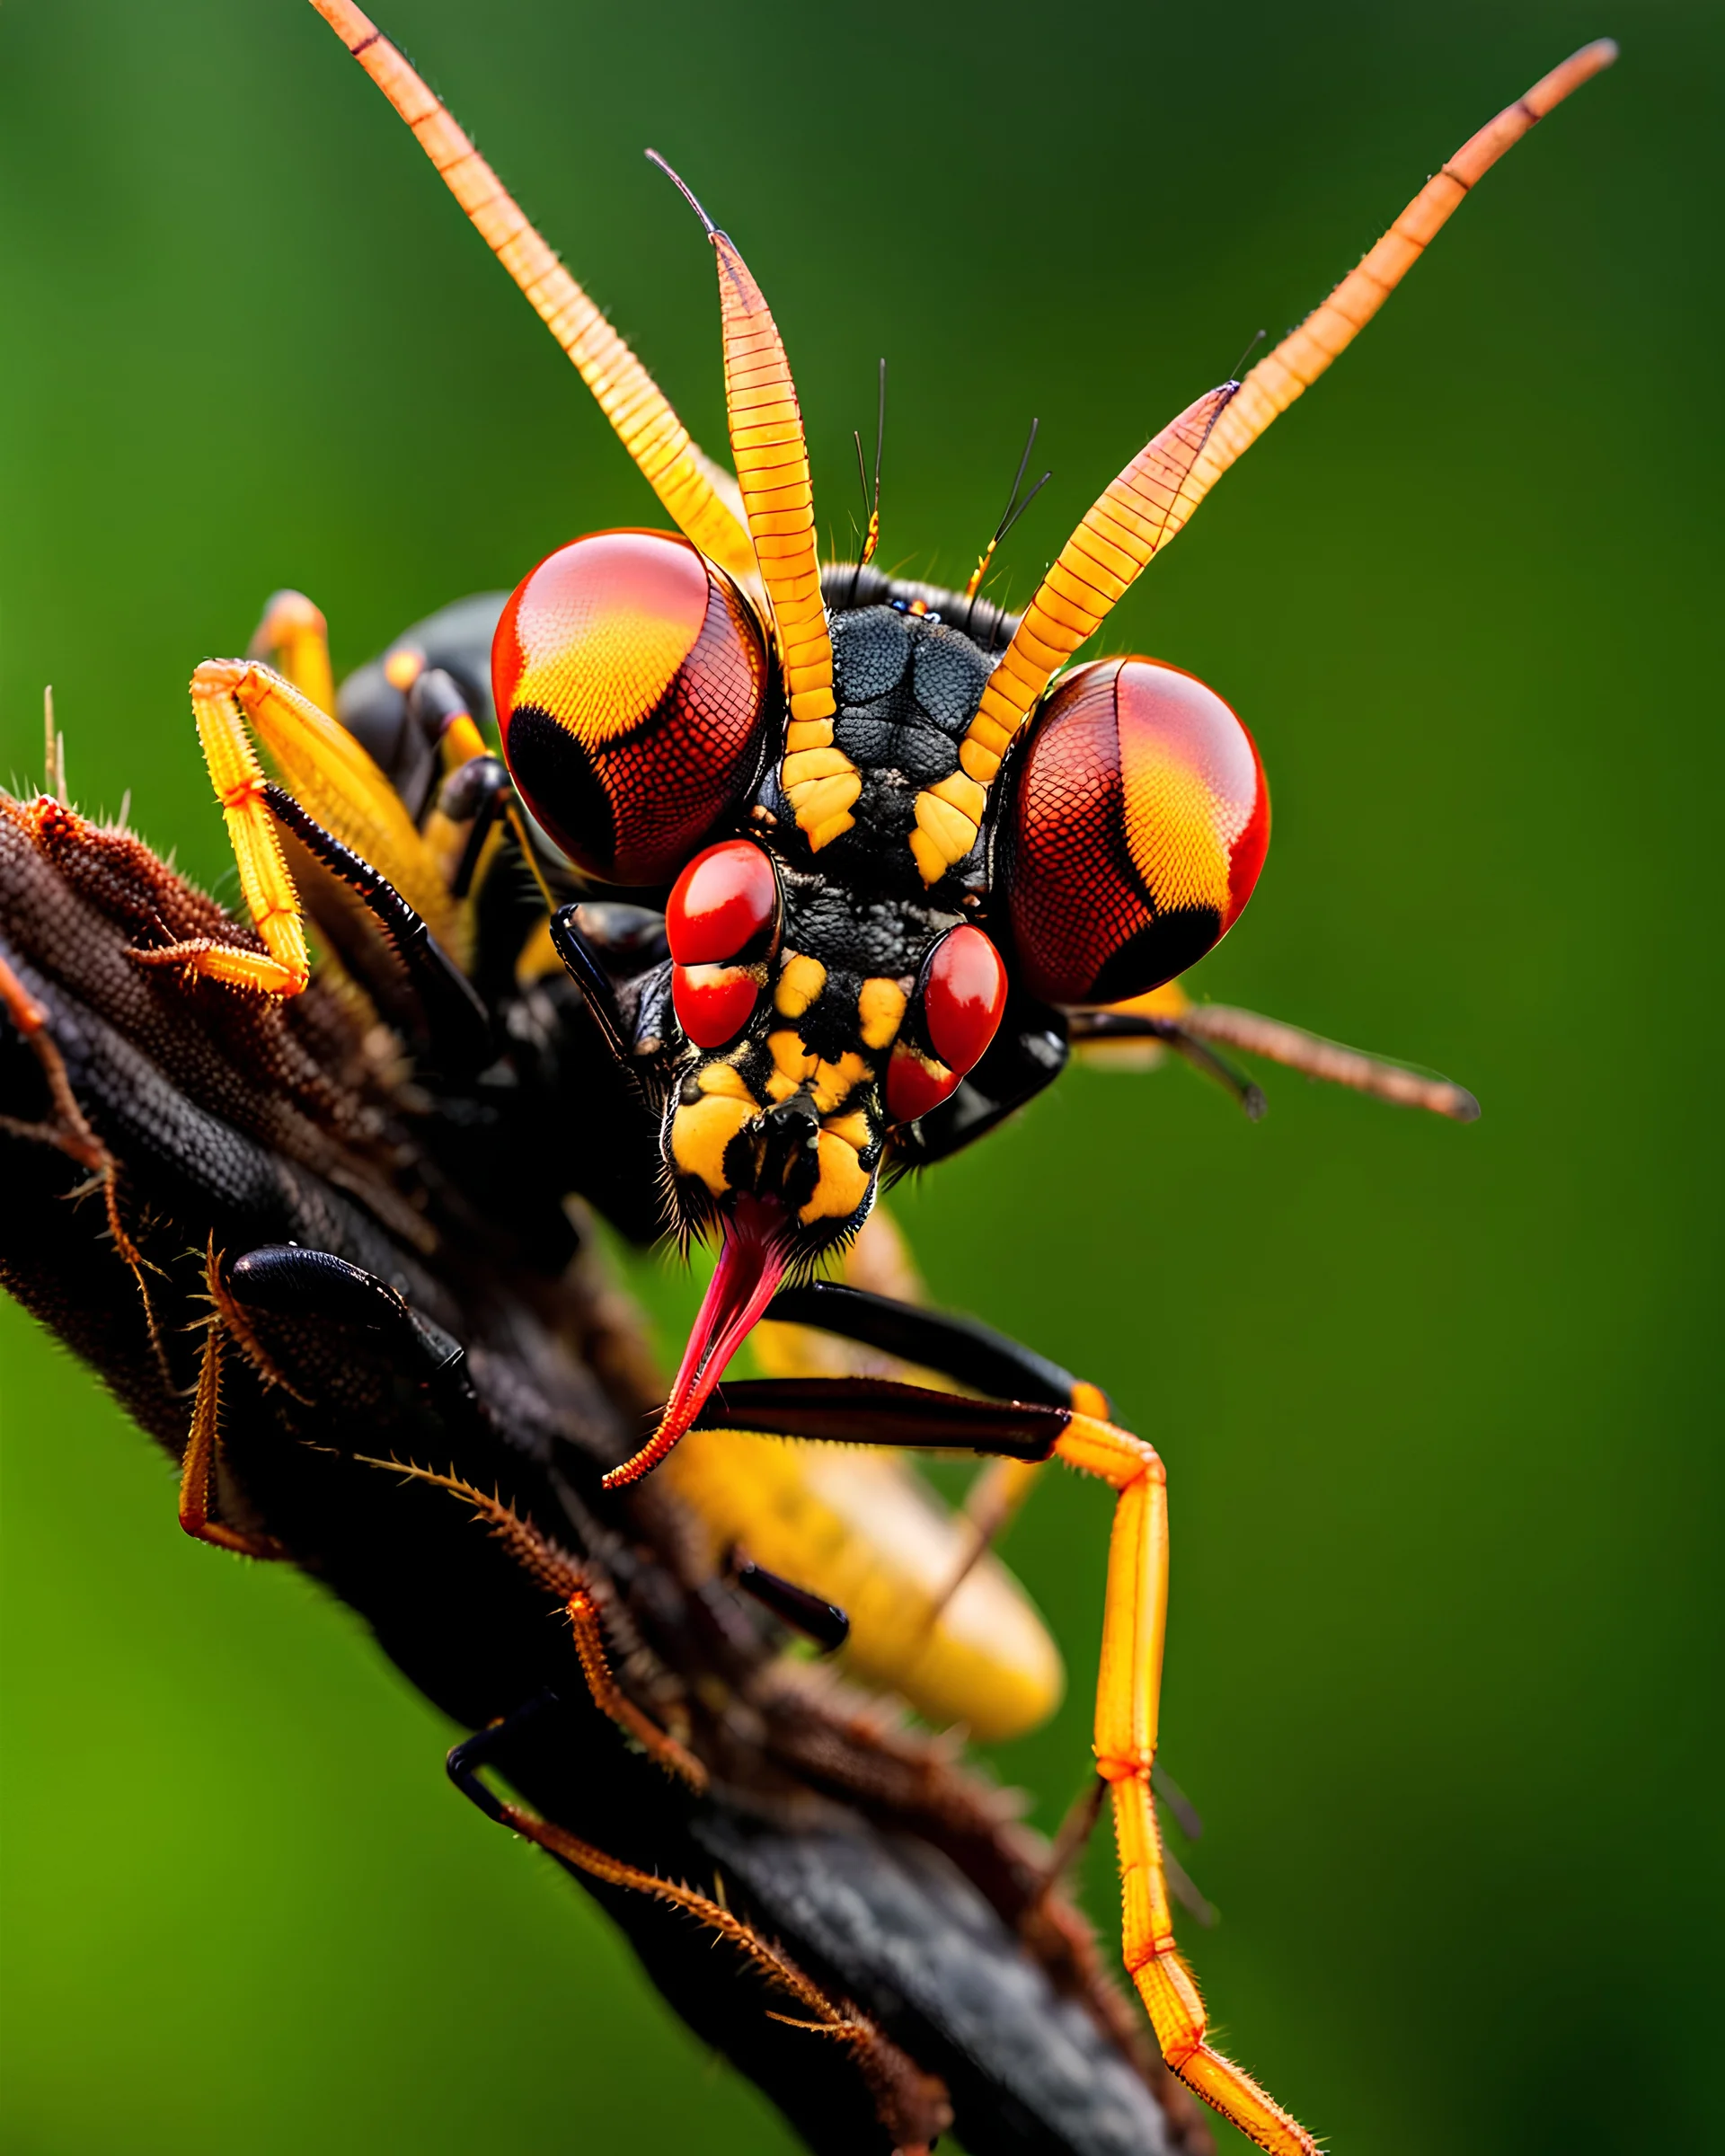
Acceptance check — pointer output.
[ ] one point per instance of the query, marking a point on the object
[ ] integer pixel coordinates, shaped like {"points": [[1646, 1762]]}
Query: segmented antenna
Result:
{"points": [[1013, 510]]}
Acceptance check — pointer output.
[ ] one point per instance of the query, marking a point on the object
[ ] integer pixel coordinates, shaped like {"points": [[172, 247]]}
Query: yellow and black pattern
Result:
{"points": [[792, 1111], [630, 684]]}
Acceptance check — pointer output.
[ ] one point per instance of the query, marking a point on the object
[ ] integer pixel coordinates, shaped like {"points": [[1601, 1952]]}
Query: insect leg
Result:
{"points": [[571, 1583], [457, 1024], [1190, 1029], [294, 638], [976, 1355], [201, 1457], [1128, 1689], [876, 1412], [331, 776], [911, 2106]]}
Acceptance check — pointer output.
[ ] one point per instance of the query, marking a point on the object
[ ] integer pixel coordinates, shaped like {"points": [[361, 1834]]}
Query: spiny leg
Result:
{"points": [[67, 1130], [566, 1579], [911, 2104], [1166, 1018], [202, 1455], [1310, 1053], [1128, 1685], [1128, 1692], [220, 690], [330, 777], [457, 1025]]}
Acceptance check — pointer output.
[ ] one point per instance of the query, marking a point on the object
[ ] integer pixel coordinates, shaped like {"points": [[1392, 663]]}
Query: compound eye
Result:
{"points": [[721, 921], [1138, 823], [958, 1001], [631, 691]]}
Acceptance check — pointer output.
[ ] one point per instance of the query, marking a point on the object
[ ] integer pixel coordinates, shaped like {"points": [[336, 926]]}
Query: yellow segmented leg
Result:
{"points": [[294, 638], [1127, 1692], [221, 690], [329, 773]]}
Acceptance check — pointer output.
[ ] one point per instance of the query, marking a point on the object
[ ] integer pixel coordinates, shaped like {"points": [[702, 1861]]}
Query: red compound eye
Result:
{"points": [[962, 993], [1138, 823], [721, 921], [715, 1003], [630, 684], [726, 899]]}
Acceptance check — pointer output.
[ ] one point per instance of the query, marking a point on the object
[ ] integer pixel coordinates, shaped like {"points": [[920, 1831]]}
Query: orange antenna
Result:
{"points": [[1097, 566], [771, 459], [690, 487], [1153, 497]]}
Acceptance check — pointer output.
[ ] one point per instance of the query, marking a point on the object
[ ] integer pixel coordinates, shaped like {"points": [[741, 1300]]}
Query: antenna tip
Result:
{"points": [[683, 189], [1568, 75]]}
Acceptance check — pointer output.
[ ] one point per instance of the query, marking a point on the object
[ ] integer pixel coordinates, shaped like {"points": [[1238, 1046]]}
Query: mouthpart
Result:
{"points": [[752, 1261]]}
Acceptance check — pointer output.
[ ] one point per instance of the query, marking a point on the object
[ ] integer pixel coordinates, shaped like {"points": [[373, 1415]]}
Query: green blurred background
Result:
{"points": [[1437, 1404]]}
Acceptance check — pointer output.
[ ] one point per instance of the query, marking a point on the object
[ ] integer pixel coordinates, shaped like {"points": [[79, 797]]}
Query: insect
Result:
{"points": [[869, 859]]}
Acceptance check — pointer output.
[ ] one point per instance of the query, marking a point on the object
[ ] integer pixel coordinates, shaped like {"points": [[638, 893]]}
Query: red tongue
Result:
{"points": [[751, 1264]]}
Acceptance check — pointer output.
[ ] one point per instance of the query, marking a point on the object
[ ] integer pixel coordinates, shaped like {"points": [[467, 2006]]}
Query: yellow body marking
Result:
{"points": [[881, 1007], [801, 981], [841, 1185], [700, 1133]]}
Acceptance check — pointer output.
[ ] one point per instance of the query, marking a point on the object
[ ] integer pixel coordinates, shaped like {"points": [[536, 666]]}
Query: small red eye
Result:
{"points": [[726, 899], [915, 1084], [630, 684], [715, 1003], [1138, 822], [962, 995]]}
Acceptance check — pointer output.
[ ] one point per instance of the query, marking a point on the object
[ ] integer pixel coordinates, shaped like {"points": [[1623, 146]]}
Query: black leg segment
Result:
{"points": [[962, 1348]]}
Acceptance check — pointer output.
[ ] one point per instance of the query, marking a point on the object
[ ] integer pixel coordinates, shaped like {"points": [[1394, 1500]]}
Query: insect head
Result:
{"points": [[893, 851]]}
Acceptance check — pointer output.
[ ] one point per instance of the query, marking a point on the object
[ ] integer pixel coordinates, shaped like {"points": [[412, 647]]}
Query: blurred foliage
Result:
{"points": [[1434, 1400]]}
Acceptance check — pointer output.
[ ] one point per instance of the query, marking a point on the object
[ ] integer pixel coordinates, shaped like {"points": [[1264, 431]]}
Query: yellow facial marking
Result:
{"points": [[801, 981], [724, 1080], [852, 1130], [880, 1006], [842, 1184], [834, 1083], [791, 1059], [699, 1133]]}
